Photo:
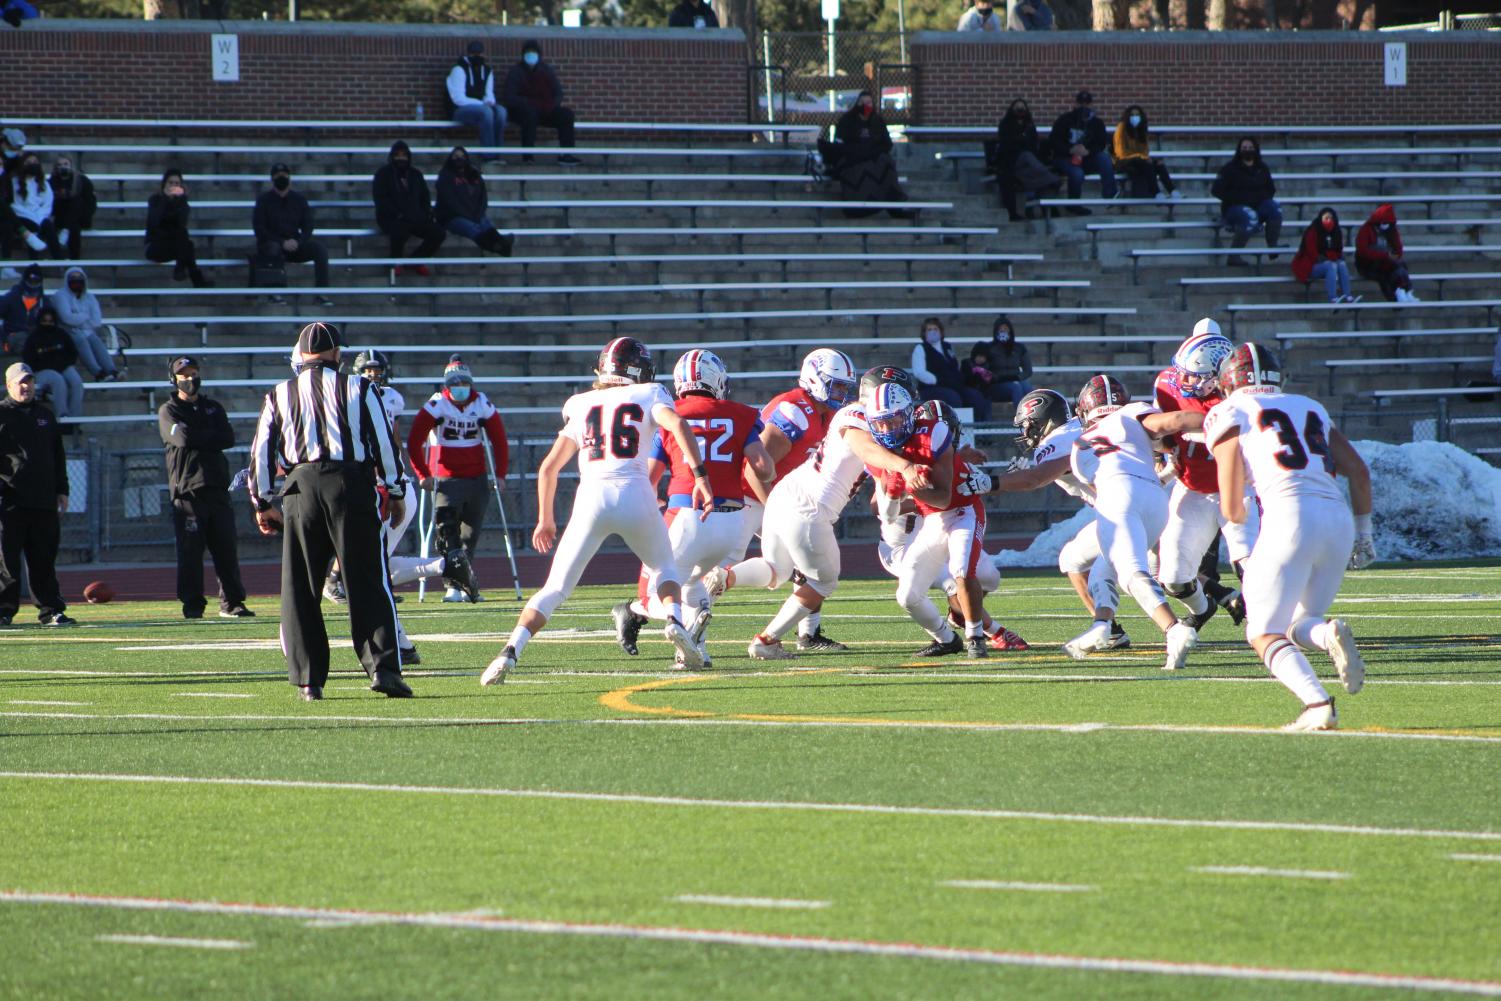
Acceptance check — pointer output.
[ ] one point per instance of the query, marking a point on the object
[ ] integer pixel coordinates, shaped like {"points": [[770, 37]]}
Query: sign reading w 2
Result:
{"points": [[224, 52]]}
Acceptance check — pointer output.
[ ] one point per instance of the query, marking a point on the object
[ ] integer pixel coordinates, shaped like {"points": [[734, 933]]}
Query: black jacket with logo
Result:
{"points": [[196, 435], [33, 467]]}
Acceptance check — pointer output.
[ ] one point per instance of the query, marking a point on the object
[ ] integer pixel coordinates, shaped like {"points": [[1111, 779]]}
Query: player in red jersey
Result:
{"points": [[1194, 518], [729, 438]]}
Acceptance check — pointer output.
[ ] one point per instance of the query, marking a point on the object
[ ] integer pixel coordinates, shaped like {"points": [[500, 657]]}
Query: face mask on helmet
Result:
{"points": [[828, 376], [375, 374], [1197, 363], [1037, 415], [890, 416]]}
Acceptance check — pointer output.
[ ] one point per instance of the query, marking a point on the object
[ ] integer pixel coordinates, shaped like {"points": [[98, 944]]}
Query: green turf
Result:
{"points": [[1025, 768]]}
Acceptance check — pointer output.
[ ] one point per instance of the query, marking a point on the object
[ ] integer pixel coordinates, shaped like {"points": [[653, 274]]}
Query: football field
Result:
{"points": [[175, 823]]}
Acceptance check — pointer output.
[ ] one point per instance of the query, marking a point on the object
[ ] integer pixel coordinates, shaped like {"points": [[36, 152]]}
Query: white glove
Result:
{"points": [[62, 236], [1019, 463], [1364, 553], [974, 482]]}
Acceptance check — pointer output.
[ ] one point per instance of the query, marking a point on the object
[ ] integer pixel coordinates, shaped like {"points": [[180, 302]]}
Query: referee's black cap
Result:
{"points": [[318, 337]]}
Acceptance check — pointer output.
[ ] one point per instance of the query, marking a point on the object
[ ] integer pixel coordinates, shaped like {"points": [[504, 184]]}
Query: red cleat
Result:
{"points": [[1007, 640]]}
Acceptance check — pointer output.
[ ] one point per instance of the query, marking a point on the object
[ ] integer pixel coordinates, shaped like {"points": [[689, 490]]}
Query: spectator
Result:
{"points": [[1146, 176], [534, 96], [12, 143], [1078, 141], [31, 206], [693, 14], [404, 209], [860, 157], [1378, 255], [50, 353], [1322, 255], [1019, 163], [462, 201], [284, 228], [73, 205], [19, 308], [81, 318], [33, 497], [13, 12], [1001, 368], [471, 90], [167, 214], [937, 372], [981, 17], [1245, 190], [1028, 15]]}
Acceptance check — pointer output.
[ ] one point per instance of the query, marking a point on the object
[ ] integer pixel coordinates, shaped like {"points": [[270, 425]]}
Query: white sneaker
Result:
{"points": [[762, 648], [35, 242], [1347, 660], [1320, 717], [1401, 295], [499, 667], [1181, 638], [1413, 297], [1092, 639], [453, 594], [700, 624], [1161, 196], [1176, 195], [687, 649], [716, 581]]}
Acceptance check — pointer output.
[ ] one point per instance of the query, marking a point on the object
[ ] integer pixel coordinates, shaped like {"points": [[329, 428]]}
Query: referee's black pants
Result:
{"points": [[34, 533], [330, 509], [205, 520]]}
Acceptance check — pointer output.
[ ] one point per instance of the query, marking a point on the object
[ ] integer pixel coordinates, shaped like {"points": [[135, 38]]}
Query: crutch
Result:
{"points": [[426, 525], [505, 525]]}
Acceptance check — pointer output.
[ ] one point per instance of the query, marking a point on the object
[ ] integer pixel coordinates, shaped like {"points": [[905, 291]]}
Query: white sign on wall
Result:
{"points": [[1396, 64], [225, 52]]}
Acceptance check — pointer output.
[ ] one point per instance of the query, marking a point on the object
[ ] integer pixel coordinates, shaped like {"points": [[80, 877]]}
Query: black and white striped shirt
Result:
{"points": [[323, 415]]}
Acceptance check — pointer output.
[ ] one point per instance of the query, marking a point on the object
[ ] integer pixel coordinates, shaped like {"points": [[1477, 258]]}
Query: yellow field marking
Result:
{"points": [[620, 699]]}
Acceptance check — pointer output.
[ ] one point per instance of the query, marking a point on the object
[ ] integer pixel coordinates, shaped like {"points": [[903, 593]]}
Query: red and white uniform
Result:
{"points": [[1194, 516], [1298, 564], [804, 422], [395, 405], [454, 451], [614, 429]]}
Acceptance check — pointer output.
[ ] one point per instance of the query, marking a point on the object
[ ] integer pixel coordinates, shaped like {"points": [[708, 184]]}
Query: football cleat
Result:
{"points": [[700, 625], [1347, 660], [1094, 638], [501, 666], [454, 595], [1118, 639], [1181, 638], [687, 649], [627, 627], [1315, 717], [458, 573], [765, 648], [1235, 604], [940, 649], [333, 589], [819, 642], [1005, 639], [1197, 619], [977, 647], [409, 656], [716, 581]]}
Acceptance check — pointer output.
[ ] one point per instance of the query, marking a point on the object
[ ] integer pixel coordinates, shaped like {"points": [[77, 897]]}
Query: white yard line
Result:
{"points": [[1466, 857], [791, 943], [184, 943], [213, 695], [771, 903], [973, 813], [997, 884], [1256, 870], [43, 702]]}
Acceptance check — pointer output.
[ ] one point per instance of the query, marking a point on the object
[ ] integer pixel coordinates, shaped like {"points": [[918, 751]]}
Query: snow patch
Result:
{"points": [[1044, 550]]}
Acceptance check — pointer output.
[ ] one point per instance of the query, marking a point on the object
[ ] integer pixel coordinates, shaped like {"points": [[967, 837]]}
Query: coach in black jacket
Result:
{"points": [[196, 432], [33, 496]]}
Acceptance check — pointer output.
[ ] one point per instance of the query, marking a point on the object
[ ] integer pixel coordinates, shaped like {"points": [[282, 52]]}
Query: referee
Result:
{"points": [[330, 432]]}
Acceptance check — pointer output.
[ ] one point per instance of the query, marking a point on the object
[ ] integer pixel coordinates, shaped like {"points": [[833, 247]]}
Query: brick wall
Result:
{"points": [[1315, 78], [319, 70]]}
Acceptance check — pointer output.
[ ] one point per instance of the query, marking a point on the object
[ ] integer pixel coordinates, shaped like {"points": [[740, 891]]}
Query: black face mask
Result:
{"points": [[64, 174], [77, 289], [34, 169], [188, 385], [402, 163], [281, 182], [459, 163]]}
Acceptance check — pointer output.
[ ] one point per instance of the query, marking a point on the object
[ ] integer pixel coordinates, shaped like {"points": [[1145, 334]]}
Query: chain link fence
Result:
{"points": [[812, 78]]}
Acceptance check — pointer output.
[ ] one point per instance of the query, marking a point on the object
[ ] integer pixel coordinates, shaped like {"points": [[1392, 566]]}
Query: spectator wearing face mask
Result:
{"points": [[981, 17], [1079, 148], [283, 223], [79, 313], [1246, 192], [1378, 255], [51, 354], [12, 144], [471, 91], [938, 374], [462, 201], [31, 205], [1001, 367], [1322, 255], [860, 158], [403, 208], [693, 14], [167, 215], [1146, 176], [1019, 163], [1028, 15], [19, 308], [534, 96], [73, 205]]}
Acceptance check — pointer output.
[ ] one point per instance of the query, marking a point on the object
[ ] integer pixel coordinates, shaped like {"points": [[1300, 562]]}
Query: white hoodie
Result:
{"points": [[31, 198]]}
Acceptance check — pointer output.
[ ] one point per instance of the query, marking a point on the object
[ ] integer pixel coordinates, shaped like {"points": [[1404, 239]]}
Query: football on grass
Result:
{"points": [[98, 593]]}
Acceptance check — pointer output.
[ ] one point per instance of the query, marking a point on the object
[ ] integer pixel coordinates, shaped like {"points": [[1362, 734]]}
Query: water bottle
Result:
{"points": [[419, 111]]}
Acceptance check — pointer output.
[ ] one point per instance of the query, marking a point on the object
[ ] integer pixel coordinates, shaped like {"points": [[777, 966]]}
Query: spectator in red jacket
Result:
{"points": [[534, 96], [1322, 255], [452, 465], [1378, 255]]}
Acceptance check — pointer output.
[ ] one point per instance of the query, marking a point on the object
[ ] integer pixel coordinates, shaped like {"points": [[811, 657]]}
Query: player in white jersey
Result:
{"points": [[797, 530], [1285, 447], [611, 428]]}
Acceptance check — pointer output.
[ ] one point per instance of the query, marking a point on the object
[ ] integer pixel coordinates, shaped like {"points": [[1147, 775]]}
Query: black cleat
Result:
{"points": [[1197, 619], [1235, 604], [409, 656], [937, 649], [391, 686], [818, 641], [627, 627], [235, 612], [310, 693], [457, 572], [977, 646]]}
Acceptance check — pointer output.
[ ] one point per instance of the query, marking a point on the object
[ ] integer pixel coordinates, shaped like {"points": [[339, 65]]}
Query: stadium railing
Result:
{"points": [[1185, 284], [1139, 254], [1359, 309]]}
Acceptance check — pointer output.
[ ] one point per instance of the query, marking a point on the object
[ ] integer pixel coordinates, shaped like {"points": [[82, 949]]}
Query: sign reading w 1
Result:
{"points": [[224, 50], [1396, 64]]}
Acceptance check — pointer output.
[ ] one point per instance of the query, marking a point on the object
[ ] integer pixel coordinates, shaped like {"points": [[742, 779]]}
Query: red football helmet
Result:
{"points": [[1249, 364], [1100, 396], [623, 361]]}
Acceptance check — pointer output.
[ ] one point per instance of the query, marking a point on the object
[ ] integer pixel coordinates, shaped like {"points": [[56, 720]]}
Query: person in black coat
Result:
{"points": [[1000, 367], [1246, 192], [693, 14], [51, 355], [938, 374], [403, 208], [1017, 158], [18, 310], [167, 215], [283, 224], [534, 96], [860, 158], [33, 497], [196, 433], [462, 203], [1080, 147], [73, 205]]}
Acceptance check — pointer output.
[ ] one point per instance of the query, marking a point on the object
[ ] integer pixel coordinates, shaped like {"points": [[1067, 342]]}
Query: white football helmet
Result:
{"points": [[890, 415], [1207, 325], [828, 376], [701, 371], [1198, 361]]}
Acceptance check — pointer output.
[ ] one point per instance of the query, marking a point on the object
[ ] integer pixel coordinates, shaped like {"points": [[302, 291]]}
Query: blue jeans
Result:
{"points": [[1012, 391], [489, 118], [1243, 219], [64, 390], [1336, 275], [92, 354], [468, 228], [1094, 163]]}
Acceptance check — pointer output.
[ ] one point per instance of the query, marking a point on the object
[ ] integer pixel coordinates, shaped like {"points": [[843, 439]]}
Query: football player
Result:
{"points": [[1194, 520], [610, 428], [1286, 448], [729, 438]]}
